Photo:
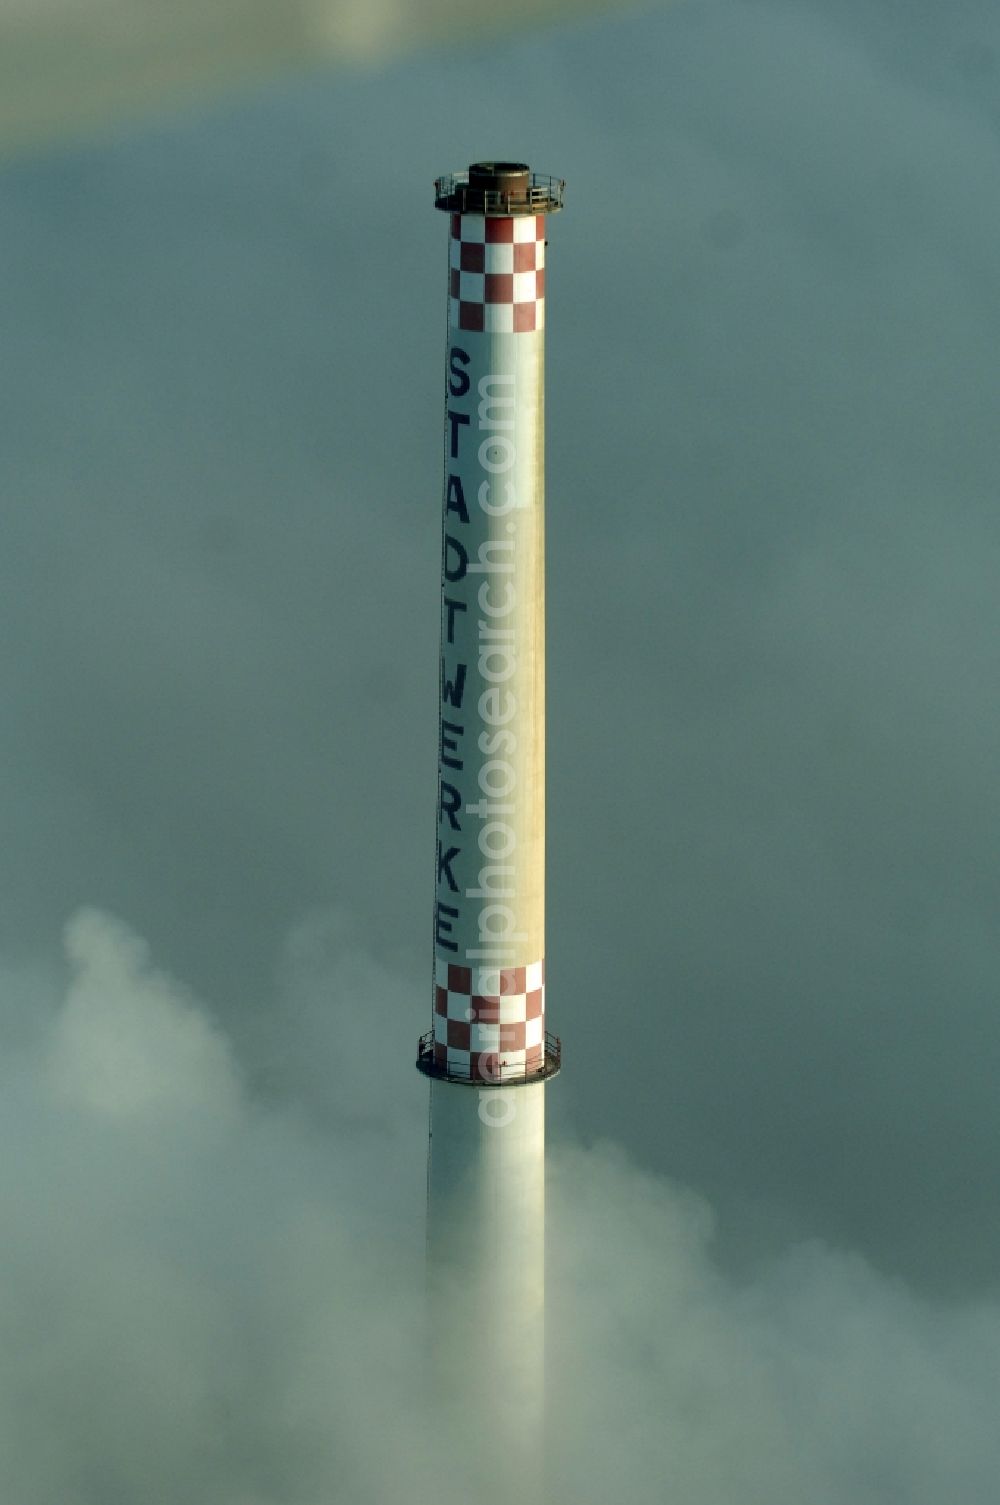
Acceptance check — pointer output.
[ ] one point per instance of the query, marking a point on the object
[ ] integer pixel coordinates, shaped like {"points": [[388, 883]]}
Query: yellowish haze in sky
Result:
{"points": [[71, 65]]}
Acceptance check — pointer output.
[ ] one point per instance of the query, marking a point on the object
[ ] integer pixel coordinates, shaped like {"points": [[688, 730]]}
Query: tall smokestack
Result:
{"points": [[488, 1055]]}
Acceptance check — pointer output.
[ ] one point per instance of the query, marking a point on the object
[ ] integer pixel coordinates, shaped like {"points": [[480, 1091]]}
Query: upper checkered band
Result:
{"points": [[489, 1023], [497, 273]]}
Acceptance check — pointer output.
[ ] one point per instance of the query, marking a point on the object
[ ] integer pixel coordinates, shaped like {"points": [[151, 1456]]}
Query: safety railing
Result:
{"points": [[494, 1075], [542, 195]]}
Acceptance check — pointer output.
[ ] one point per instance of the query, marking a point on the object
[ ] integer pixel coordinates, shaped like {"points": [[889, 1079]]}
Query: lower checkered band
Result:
{"points": [[497, 273], [489, 1022]]}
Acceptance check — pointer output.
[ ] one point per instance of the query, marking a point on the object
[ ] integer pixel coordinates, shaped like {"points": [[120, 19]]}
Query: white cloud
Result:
{"points": [[196, 1311], [129, 1042]]}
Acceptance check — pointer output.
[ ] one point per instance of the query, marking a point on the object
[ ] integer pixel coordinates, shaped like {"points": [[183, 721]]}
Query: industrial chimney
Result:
{"points": [[488, 1055]]}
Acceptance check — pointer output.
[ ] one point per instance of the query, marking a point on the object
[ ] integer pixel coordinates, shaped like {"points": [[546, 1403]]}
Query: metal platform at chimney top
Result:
{"points": [[524, 193]]}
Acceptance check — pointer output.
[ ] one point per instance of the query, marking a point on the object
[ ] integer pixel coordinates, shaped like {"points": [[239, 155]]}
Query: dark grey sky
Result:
{"points": [[774, 630]]}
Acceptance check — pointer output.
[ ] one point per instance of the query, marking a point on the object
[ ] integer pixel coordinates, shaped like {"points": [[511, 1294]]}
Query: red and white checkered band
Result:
{"points": [[485, 1032], [497, 273]]}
